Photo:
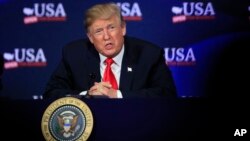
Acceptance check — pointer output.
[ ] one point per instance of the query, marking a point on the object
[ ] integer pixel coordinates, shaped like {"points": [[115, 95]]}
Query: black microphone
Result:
{"points": [[92, 79], [92, 76]]}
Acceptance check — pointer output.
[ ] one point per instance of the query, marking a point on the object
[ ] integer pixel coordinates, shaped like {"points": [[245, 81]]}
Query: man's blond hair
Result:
{"points": [[102, 11]]}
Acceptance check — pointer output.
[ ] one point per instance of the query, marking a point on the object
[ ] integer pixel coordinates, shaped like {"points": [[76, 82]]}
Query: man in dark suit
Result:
{"points": [[138, 67]]}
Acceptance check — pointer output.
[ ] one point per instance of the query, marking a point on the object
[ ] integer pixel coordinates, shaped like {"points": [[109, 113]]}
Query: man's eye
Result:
{"points": [[111, 27], [98, 31]]}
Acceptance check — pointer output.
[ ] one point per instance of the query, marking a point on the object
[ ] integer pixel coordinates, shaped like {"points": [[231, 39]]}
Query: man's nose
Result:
{"points": [[106, 34]]}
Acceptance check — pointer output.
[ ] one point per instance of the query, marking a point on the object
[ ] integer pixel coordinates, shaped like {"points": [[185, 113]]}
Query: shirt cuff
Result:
{"points": [[119, 94], [83, 93]]}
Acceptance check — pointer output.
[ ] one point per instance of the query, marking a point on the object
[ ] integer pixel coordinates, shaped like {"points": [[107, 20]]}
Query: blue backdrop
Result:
{"points": [[195, 35]]}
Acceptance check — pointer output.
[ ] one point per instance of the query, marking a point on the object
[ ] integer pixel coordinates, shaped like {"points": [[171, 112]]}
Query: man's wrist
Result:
{"points": [[87, 95]]}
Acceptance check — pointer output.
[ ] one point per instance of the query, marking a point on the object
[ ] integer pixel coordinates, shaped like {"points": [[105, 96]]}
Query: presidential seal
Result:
{"points": [[67, 119]]}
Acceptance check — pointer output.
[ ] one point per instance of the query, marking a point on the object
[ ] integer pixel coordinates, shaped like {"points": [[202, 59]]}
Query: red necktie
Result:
{"points": [[108, 74]]}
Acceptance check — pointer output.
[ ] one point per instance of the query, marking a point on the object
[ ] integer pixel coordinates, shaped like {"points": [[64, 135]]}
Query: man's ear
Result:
{"points": [[124, 29], [90, 37]]}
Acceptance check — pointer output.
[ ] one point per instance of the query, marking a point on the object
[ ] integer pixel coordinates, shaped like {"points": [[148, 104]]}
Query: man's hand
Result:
{"points": [[103, 89]]}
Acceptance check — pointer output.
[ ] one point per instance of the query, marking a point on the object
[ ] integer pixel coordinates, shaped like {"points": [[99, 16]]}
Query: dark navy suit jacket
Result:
{"points": [[79, 68]]}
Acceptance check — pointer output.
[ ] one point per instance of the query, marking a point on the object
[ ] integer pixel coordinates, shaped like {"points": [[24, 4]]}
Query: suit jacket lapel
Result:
{"points": [[128, 66]]}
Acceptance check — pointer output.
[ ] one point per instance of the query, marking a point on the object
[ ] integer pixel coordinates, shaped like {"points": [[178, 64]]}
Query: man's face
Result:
{"points": [[107, 36]]}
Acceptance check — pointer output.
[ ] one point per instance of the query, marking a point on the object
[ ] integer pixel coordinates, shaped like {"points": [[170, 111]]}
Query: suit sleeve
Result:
{"points": [[60, 83]]}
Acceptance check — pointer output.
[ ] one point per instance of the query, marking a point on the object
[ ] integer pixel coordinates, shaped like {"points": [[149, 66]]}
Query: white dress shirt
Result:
{"points": [[116, 69]]}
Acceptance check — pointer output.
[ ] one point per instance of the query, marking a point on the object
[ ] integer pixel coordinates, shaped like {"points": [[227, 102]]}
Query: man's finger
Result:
{"points": [[106, 84]]}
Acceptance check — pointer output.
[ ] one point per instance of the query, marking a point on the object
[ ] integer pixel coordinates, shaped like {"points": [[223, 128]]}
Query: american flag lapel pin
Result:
{"points": [[129, 69]]}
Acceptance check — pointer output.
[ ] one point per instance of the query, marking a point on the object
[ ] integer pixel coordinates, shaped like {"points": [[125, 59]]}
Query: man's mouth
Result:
{"points": [[108, 45]]}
